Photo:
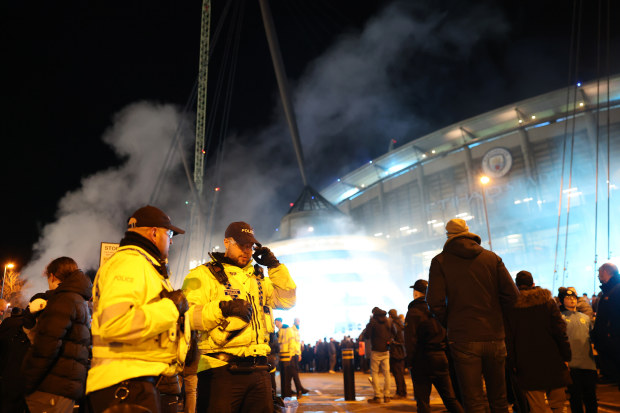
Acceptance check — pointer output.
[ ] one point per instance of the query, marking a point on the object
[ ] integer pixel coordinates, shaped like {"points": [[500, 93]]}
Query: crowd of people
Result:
{"points": [[129, 339]]}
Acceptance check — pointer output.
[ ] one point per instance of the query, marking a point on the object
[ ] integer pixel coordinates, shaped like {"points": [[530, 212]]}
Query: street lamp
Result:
{"points": [[484, 180], [9, 265]]}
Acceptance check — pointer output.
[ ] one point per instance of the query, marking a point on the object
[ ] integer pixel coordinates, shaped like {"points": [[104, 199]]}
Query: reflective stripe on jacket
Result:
{"points": [[232, 335], [135, 332]]}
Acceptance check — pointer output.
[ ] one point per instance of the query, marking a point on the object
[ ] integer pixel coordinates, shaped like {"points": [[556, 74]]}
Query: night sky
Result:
{"points": [[68, 67]]}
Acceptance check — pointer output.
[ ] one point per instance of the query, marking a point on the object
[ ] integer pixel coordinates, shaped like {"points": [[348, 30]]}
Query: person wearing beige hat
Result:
{"points": [[469, 290]]}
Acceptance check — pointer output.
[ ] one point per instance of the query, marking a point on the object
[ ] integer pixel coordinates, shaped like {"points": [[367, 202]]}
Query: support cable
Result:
{"points": [[608, 134], [572, 144], [598, 105], [570, 65]]}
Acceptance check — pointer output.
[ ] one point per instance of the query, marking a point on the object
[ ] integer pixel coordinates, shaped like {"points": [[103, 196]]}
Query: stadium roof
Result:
{"points": [[530, 113]]}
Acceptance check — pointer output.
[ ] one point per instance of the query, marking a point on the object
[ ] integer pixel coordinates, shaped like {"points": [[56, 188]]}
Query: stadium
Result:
{"points": [[548, 206]]}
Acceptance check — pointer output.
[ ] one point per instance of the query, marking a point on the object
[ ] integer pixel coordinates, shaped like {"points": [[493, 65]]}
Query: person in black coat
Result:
{"points": [[397, 355], [425, 342], [469, 291], [606, 331], [56, 365], [538, 346], [13, 346]]}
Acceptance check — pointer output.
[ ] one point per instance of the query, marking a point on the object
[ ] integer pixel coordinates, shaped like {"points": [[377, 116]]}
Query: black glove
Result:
{"points": [[237, 308], [178, 298], [264, 256]]}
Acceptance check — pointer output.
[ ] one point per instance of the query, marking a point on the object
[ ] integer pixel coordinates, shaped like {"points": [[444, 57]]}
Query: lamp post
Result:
{"points": [[484, 180], [9, 265]]}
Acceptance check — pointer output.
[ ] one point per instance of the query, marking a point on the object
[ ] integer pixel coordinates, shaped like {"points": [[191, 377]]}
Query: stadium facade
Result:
{"points": [[543, 209]]}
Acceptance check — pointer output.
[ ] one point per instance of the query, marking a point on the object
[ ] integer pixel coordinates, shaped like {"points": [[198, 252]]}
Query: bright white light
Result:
{"points": [[423, 155], [369, 161], [310, 229], [439, 224], [387, 236], [350, 192], [431, 222], [572, 194], [528, 199], [570, 190], [462, 214], [581, 104], [533, 116], [520, 120], [406, 227], [539, 202], [352, 276], [395, 168], [468, 217], [517, 202], [411, 231], [378, 234], [363, 185], [433, 151], [513, 240]]}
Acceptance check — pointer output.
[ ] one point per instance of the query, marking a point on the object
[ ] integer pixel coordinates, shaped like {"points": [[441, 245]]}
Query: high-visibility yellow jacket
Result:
{"points": [[295, 341], [231, 334], [284, 342], [135, 332]]}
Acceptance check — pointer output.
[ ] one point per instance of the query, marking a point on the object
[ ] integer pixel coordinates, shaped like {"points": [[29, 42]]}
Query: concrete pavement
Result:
{"points": [[327, 395]]}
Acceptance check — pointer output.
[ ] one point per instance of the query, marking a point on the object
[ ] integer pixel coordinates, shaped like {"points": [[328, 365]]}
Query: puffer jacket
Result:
{"points": [[58, 360], [537, 343], [469, 290], [233, 335]]}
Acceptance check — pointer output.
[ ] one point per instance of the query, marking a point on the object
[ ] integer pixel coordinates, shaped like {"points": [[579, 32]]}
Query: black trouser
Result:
{"points": [[285, 379], [430, 369], [397, 368], [583, 391], [293, 369], [141, 391], [223, 391]]}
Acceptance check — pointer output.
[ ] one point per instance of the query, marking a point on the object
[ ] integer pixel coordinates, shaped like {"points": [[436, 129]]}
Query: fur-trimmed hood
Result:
{"points": [[534, 296]]}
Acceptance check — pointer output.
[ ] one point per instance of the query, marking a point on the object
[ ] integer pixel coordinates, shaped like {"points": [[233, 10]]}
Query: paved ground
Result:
{"points": [[327, 395]]}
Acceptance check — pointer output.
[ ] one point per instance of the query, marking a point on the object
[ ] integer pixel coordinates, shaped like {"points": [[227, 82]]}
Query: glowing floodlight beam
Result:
{"points": [[405, 228]]}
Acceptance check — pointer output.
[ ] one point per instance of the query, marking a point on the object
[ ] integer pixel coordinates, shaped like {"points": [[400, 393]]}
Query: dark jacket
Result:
{"points": [[379, 330], [606, 332], [537, 343], [469, 289], [397, 345], [423, 333], [57, 361]]}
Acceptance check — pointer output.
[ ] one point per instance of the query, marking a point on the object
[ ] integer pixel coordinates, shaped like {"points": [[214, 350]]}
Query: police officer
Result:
{"points": [[136, 324], [231, 304]]}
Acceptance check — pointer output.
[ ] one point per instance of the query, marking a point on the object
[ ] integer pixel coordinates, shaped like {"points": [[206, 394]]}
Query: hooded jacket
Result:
{"points": [[537, 343], [469, 290], [58, 359], [232, 335], [379, 330]]}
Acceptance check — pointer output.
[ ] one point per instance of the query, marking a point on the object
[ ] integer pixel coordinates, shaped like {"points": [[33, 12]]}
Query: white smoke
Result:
{"points": [[98, 211]]}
